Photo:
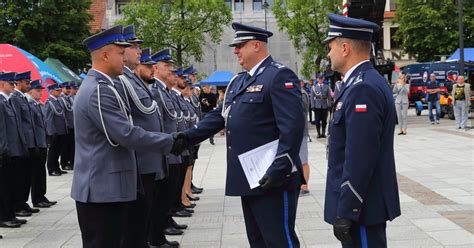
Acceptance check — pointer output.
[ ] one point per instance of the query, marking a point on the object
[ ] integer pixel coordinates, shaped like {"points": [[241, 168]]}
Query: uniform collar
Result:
{"points": [[105, 75], [177, 91], [5, 95], [54, 98], [252, 71], [349, 72], [21, 93], [161, 82]]}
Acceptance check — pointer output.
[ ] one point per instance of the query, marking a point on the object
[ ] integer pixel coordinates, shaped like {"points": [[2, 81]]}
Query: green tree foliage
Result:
{"points": [[47, 28], [430, 27], [306, 23], [183, 25]]}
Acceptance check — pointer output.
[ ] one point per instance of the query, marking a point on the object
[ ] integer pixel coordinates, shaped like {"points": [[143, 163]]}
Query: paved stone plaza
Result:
{"points": [[435, 173]]}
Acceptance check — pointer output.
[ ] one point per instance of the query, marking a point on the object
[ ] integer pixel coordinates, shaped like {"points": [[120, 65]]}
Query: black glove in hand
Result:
{"points": [[180, 143], [267, 182], [342, 230]]}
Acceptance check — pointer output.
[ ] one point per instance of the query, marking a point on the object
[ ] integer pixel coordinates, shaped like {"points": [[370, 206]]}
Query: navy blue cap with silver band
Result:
{"points": [[23, 76], [189, 70], [113, 35], [244, 33], [163, 55], [129, 35], [351, 28], [7, 76], [145, 59], [36, 84]]}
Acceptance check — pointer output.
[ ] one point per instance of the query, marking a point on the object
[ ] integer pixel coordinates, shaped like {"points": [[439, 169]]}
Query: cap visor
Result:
{"points": [[122, 43], [328, 39], [236, 42], [135, 41], [148, 62]]}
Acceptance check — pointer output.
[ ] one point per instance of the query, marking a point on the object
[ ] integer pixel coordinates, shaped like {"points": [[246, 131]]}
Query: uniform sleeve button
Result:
{"points": [[230, 147], [251, 100], [355, 210], [228, 132], [233, 102]]}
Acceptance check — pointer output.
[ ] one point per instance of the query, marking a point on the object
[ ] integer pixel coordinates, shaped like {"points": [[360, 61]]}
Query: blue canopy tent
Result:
{"points": [[468, 55], [218, 78]]}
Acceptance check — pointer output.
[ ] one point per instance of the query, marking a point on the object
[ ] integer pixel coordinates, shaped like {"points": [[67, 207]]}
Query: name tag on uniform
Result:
{"points": [[255, 88]]}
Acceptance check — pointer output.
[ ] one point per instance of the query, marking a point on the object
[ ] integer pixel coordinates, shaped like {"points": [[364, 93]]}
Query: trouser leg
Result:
{"points": [[22, 181], [38, 176], [54, 151]]}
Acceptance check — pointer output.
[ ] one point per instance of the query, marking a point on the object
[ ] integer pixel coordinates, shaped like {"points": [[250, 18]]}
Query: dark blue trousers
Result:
{"points": [[270, 219], [368, 236]]}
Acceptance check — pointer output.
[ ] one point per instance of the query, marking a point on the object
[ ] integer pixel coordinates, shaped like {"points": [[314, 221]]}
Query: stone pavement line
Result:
{"points": [[465, 219], [465, 134], [421, 193]]}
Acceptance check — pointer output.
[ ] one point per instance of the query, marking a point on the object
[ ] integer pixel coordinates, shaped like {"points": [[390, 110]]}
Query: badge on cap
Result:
{"points": [[289, 85], [361, 108], [255, 88]]}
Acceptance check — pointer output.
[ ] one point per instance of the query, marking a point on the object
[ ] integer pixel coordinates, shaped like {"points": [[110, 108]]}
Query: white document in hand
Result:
{"points": [[256, 162]]}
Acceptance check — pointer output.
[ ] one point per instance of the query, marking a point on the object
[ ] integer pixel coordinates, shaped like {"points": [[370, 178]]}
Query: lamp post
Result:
{"points": [[461, 39], [265, 7]]}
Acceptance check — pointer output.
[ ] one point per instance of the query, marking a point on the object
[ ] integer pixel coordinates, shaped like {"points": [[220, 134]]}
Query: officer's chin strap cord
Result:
{"points": [[123, 109], [146, 110], [225, 111]]}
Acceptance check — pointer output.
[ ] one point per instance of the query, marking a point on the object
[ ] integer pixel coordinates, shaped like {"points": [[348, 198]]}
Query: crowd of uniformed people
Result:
{"points": [[132, 132]]}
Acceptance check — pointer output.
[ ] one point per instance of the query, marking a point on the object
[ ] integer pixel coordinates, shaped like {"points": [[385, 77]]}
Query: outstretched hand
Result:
{"points": [[180, 143]]}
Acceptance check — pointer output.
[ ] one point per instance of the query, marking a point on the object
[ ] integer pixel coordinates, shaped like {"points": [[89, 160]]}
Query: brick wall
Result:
{"points": [[97, 10]]}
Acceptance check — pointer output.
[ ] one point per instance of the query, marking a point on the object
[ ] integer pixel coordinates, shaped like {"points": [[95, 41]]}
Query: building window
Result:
{"points": [[239, 5], [120, 7], [229, 3], [257, 5], [393, 5], [393, 43]]}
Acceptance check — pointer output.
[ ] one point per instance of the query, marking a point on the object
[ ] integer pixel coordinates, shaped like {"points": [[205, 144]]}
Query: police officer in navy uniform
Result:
{"points": [[262, 104], [105, 171], [320, 102], [23, 168], [38, 157], [361, 187], [13, 148], [161, 88], [145, 114], [67, 156], [56, 127]]}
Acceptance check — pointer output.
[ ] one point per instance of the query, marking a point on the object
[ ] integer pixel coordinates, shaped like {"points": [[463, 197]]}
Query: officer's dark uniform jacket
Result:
{"points": [[170, 113], [67, 102], [105, 167], [193, 113], [22, 108], [183, 124], [147, 161], [264, 108], [361, 181], [3, 131], [37, 111], [320, 96], [55, 117], [16, 145]]}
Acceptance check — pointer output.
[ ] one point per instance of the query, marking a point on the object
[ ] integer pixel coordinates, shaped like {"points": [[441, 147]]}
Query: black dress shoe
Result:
{"points": [[42, 205], [182, 213], [51, 202], [178, 226], [172, 231], [19, 221], [32, 210], [188, 210], [190, 206], [9, 224], [195, 192], [55, 173], [194, 187], [68, 167], [23, 213], [62, 172], [195, 198], [174, 243]]}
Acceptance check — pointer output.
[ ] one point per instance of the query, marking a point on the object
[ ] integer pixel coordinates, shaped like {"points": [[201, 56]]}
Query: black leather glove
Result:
{"points": [[342, 230], [268, 182], [180, 143]]}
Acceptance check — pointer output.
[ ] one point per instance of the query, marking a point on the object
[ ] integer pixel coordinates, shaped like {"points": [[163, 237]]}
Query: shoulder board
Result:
{"points": [[359, 78], [277, 65], [101, 81]]}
